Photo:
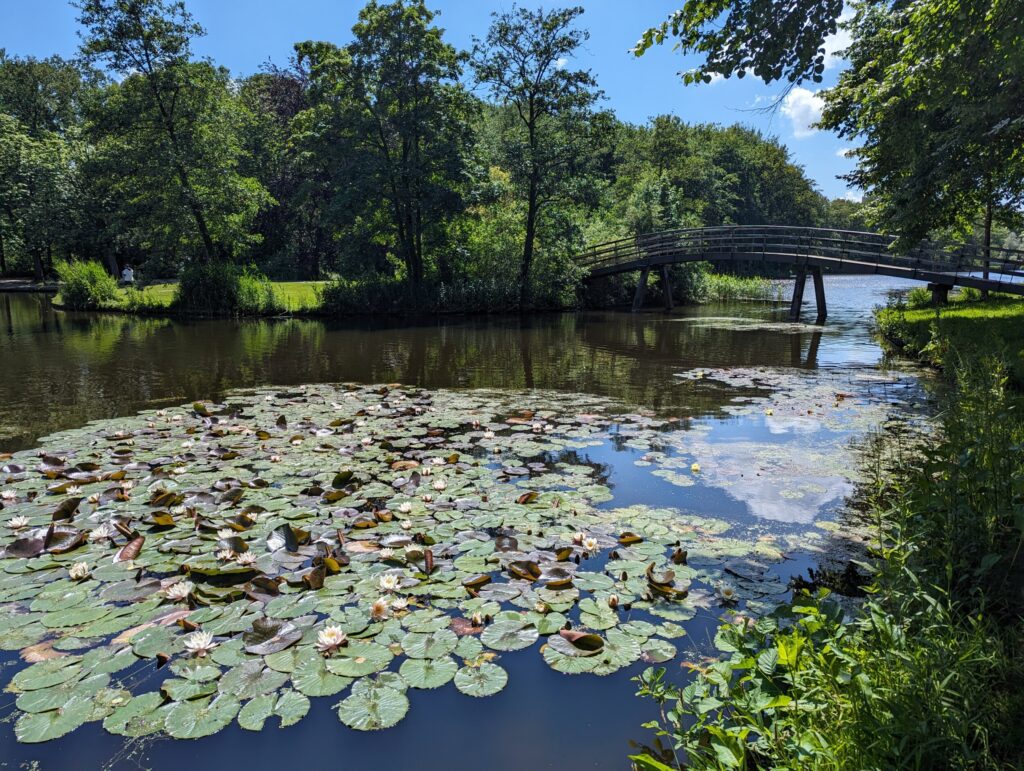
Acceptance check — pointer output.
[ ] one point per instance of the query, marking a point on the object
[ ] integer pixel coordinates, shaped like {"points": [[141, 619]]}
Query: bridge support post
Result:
{"points": [[798, 294], [641, 290], [940, 293], [666, 287], [819, 294]]}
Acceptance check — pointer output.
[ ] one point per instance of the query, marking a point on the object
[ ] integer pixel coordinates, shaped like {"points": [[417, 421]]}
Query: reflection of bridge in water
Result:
{"points": [[809, 250]]}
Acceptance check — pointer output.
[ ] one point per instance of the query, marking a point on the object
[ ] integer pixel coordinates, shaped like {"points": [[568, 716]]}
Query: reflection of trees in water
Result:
{"points": [[602, 471], [101, 365]]}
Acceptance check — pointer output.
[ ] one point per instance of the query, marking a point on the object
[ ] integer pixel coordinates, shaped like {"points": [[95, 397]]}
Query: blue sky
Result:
{"points": [[242, 34]]}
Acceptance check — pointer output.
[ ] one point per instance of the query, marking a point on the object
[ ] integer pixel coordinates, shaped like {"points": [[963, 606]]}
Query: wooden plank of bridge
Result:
{"points": [[641, 290], [798, 294]]}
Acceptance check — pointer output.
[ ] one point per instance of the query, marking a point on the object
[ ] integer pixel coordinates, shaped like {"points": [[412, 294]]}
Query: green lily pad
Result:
{"points": [[33, 727], [428, 673], [374, 709], [484, 680], [202, 717]]}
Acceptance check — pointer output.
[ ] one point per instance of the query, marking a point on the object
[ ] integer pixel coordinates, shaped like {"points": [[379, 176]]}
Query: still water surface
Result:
{"points": [[766, 472]]}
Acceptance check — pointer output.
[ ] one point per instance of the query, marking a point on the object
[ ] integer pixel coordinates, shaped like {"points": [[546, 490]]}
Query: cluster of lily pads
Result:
{"points": [[336, 540]]}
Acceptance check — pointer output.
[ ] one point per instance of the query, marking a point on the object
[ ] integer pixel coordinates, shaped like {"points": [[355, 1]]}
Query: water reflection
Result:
{"points": [[59, 370]]}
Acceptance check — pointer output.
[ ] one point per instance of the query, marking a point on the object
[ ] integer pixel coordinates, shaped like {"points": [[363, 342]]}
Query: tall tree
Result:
{"points": [[935, 91], [523, 62], [180, 107], [394, 100]]}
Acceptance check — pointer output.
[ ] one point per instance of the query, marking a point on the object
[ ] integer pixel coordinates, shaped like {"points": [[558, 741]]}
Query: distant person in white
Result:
{"points": [[127, 275]]}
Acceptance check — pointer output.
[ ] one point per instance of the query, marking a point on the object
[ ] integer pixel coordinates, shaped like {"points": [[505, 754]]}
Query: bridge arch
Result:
{"points": [[809, 250]]}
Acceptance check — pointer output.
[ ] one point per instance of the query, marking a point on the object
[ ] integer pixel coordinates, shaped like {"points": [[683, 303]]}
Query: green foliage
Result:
{"points": [[919, 297], [932, 334], [925, 674], [219, 288], [772, 40], [85, 285]]}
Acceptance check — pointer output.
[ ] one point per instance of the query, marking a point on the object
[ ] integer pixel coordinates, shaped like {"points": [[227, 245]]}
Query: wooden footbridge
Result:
{"points": [[809, 250]]}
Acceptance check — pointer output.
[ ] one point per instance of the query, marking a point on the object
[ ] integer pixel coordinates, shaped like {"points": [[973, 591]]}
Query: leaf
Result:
{"points": [[130, 550], [203, 717], [270, 635], [139, 717], [575, 643], [509, 635], [66, 509], [312, 678], [34, 727], [254, 713], [359, 658], [250, 679], [428, 673], [373, 710], [291, 707], [484, 680], [45, 699], [429, 646]]}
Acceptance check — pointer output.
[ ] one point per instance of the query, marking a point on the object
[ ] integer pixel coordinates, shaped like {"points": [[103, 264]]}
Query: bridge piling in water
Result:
{"points": [[666, 287], [796, 304], [641, 290]]}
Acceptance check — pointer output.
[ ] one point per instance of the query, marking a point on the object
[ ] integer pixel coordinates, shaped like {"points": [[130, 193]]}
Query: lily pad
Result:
{"points": [[484, 680]]}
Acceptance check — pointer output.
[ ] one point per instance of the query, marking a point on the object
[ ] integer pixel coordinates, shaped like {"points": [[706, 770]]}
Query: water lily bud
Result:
{"points": [[613, 601], [79, 571]]}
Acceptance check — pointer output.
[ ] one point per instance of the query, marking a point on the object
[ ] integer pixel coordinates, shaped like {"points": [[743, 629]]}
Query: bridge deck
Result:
{"points": [[1000, 270]]}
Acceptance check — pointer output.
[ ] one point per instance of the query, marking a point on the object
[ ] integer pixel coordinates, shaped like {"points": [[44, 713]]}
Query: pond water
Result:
{"points": [[774, 415]]}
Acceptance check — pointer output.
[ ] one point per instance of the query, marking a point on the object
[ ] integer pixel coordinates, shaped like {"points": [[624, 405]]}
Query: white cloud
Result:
{"points": [[803, 108], [716, 77], [561, 63], [836, 43], [844, 152], [853, 195]]}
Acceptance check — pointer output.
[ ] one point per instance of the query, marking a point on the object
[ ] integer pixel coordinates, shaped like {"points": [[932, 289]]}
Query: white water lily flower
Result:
{"points": [[428, 498], [577, 538], [330, 638], [225, 532], [379, 609], [296, 442], [72, 490], [590, 544], [275, 458], [390, 582], [386, 553], [405, 507], [400, 603], [246, 558], [17, 523], [187, 443], [179, 591], [537, 427], [366, 440], [406, 524], [101, 533], [225, 554], [439, 485], [541, 607], [726, 592], [438, 461], [9, 495], [199, 643], [79, 571], [488, 434]]}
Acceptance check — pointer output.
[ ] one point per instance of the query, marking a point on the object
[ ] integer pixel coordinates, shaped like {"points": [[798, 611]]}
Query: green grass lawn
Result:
{"points": [[935, 334]]}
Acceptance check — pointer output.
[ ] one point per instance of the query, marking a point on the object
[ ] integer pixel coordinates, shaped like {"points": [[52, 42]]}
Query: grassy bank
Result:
{"points": [[722, 287], [928, 672], [938, 336]]}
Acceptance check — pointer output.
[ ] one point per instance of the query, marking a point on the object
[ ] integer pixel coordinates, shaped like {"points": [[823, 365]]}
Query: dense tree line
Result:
{"points": [[375, 161]]}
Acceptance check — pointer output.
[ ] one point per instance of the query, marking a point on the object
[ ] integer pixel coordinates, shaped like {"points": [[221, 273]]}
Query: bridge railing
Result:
{"points": [[851, 250]]}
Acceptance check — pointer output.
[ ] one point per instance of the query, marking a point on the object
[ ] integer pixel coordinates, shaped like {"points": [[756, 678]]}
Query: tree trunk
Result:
{"points": [[531, 234], [37, 263], [988, 242], [3, 255], [112, 265]]}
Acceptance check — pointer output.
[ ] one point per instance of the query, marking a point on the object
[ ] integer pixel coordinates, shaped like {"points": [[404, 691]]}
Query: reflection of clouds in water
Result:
{"points": [[797, 424], [780, 483]]}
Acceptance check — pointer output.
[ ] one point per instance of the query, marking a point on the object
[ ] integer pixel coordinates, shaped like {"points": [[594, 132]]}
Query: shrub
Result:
{"points": [[220, 288], [373, 294], [919, 297], [968, 294], [85, 285]]}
